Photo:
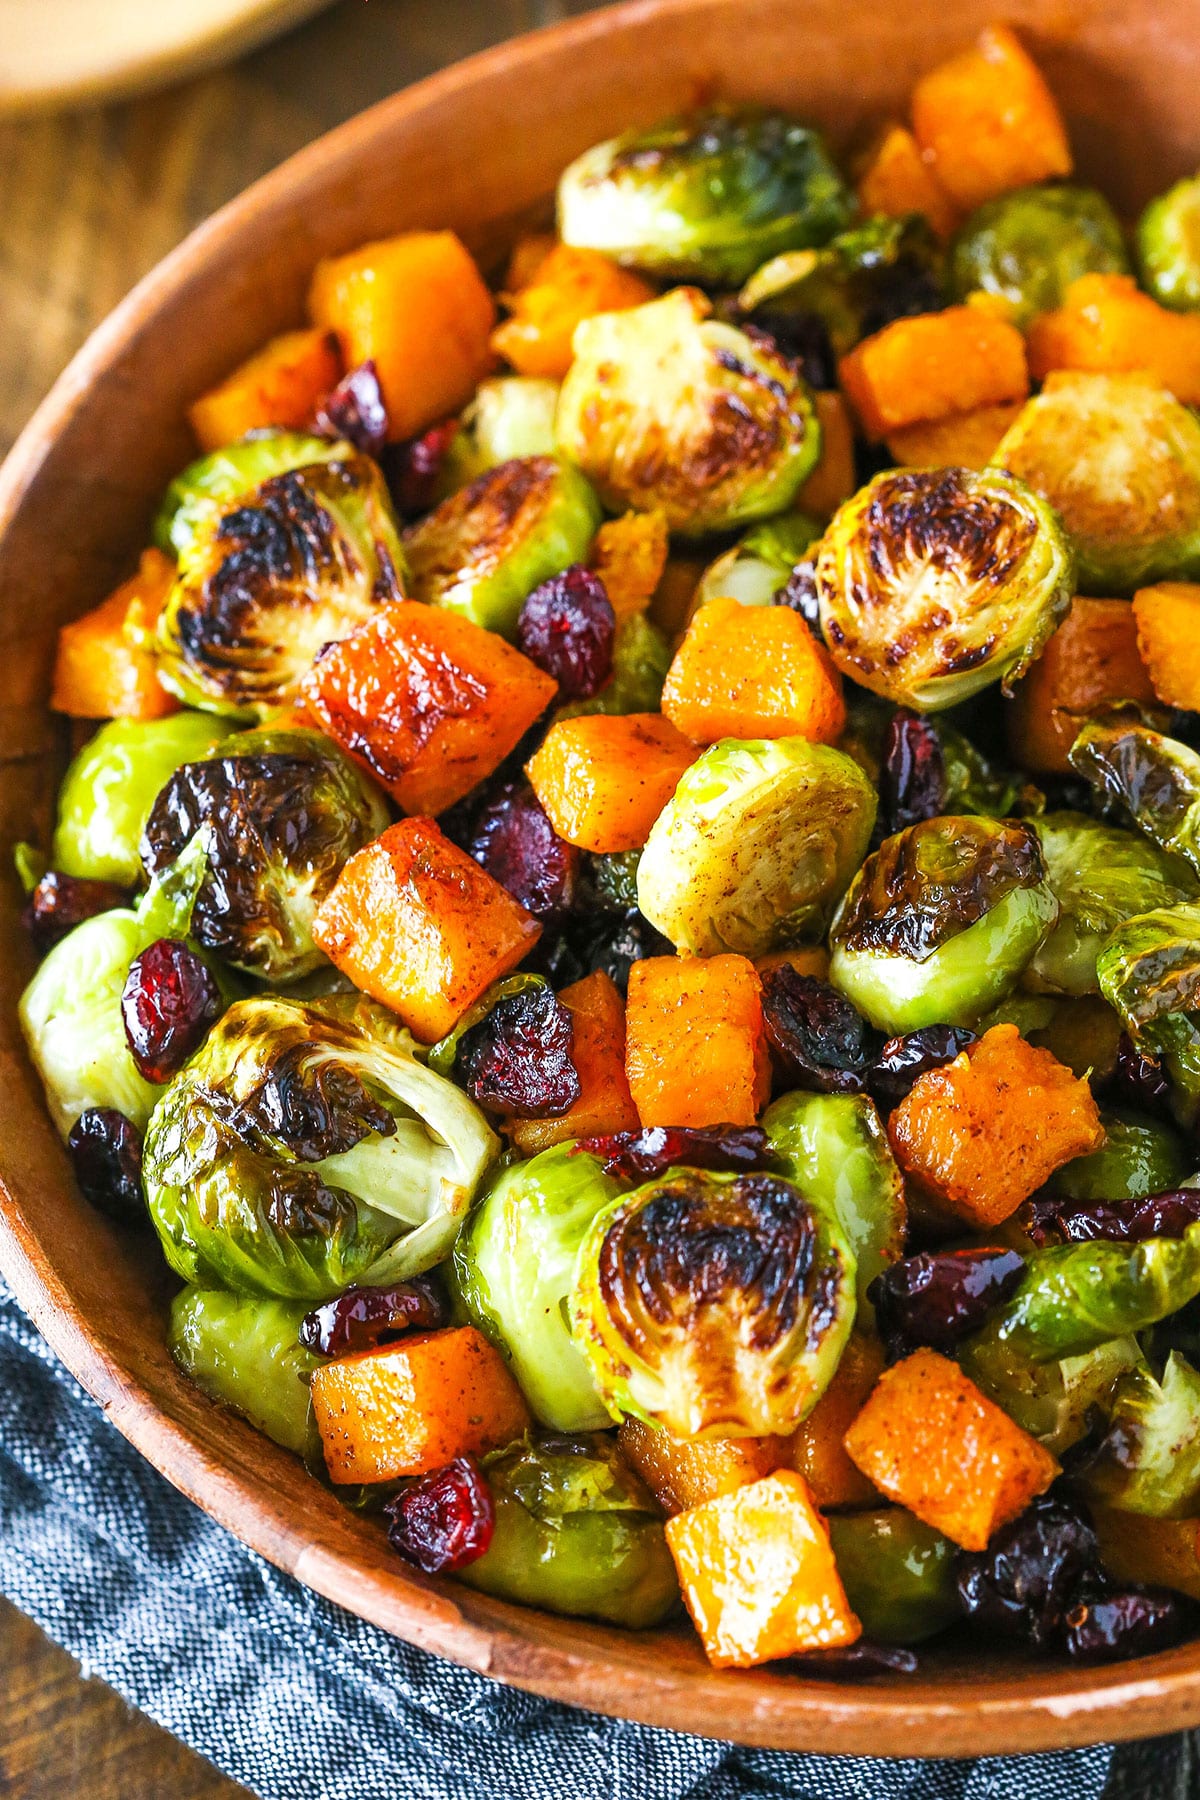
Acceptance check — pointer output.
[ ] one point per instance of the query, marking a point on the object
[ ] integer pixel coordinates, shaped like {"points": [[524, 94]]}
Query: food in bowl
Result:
{"points": [[631, 925]]}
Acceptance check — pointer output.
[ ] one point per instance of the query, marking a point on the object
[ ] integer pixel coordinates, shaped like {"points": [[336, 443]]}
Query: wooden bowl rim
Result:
{"points": [[1027, 1707]]}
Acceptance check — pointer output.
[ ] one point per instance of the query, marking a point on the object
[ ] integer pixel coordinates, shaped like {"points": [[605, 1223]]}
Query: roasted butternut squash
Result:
{"points": [[964, 440], [567, 285], [598, 1052], [1092, 660], [629, 554], [833, 480], [604, 780], [685, 1472], [896, 179], [816, 1449], [104, 667], [925, 368], [1107, 324], [1168, 640], [695, 1045], [753, 672], [279, 385]]}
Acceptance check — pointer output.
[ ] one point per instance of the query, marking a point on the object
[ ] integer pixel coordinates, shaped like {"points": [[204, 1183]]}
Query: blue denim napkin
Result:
{"points": [[300, 1701]]}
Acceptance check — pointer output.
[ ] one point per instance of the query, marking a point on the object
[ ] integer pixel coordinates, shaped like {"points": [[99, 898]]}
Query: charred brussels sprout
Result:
{"points": [[305, 1148], [1168, 246], [898, 1574], [932, 583], [1139, 1156], [715, 1305], [1118, 458], [109, 789], [269, 574], [756, 846], [1153, 779], [510, 417], [1148, 1460], [667, 408], [1027, 246], [486, 548], [245, 1352], [1149, 972], [514, 1264], [707, 197], [761, 562], [577, 1533], [213, 482], [1100, 877], [281, 812], [939, 923], [854, 285]]}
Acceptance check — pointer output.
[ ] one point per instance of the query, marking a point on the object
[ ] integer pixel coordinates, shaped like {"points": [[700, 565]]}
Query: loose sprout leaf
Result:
{"points": [[1148, 1460], [1152, 778], [859, 281], [760, 563]]}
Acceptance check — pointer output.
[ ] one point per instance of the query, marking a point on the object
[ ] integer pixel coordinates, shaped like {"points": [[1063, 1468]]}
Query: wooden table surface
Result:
{"points": [[90, 201]]}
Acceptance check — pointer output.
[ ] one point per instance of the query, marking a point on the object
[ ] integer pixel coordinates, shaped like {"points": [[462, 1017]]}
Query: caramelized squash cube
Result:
{"points": [[568, 285], [1168, 640], [753, 672], [105, 667], [279, 386], [685, 1472], [1093, 658], [604, 780], [696, 1049], [931, 366]]}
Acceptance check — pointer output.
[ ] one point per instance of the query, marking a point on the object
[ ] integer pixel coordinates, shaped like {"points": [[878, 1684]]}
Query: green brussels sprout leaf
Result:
{"points": [[244, 1351], [1148, 1460], [1153, 779]]}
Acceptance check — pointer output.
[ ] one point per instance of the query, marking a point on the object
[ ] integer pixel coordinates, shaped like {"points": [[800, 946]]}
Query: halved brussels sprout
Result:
{"points": [[641, 658], [665, 407], [1118, 458], [1168, 246], [760, 562], [281, 811], [482, 551], [939, 923], [756, 845], [514, 1264], [1148, 1460], [577, 1533], [1100, 877], [1154, 779], [707, 197], [715, 1305], [1029, 245], [847, 284], [1054, 1401], [110, 787], [1149, 972], [898, 1574], [305, 1148], [1139, 1156], [269, 574], [244, 1351], [975, 785], [510, 416], [933, 583], [207, 486]]}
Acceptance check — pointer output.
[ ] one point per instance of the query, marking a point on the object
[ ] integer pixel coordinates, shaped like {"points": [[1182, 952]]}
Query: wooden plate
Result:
{"points": [[62, 52], [477, 148]]}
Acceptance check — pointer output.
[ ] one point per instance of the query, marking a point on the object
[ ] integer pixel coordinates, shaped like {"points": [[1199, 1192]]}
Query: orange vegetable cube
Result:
{"points": [[604, 780], [426, 700], [927, 367], [1168, 639], [753, 672], [695, 1045], [685, 1472], [959, 441], [1093, 659], [833, 480], [417, 306], [896, 180], [983, 1132], [415, 1406], [279, 385], [816, 1449], [526, 258], [417, 924], [929, 1440], [758, 1575], [629, 554], [568, 285], [985, 121], [105, 667], [598, 1052], [1158, 1553], [1107, 323]]}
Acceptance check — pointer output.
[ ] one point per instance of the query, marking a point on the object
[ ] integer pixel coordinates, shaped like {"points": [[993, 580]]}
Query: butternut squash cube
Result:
{"points": [[685, 1472], [1168, 640], [280, 386], [695, 1048], [816, 1449], [603, 781], [928, 367], [104, 667], [896, 180], [1107, 323], [1093, 658], [567, 286], [753, 672], [629, 554], [965, 440], [598, 1051], [834, 479]]}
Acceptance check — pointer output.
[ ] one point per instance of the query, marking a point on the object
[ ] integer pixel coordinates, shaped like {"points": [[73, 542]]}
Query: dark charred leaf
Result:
{"points": [[311, 1108]]}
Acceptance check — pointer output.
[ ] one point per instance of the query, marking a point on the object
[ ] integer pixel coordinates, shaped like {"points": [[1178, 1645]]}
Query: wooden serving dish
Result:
{"points": [[477, 148]]}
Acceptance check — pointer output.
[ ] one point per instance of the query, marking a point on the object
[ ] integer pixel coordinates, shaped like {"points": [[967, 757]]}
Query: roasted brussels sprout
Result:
{"points": [[244, 1351], [939, 923], [281, 812], [975, 785], [641, 658], [760, 562], [756, 845], [1153, 779], [898, 1574], [1028, 245], [107, 792], [514, 1264], [1100, 877], [715, 1305], [1168, 246], [305, 1148], [71, 1011], [1148, 1460], [210, 484], [835, 1149], [269, 574], [852, 284], [1149, 972], [1139, 1156], [577, 1533], [707, 197], [1054, 1401], [932, 583], [511, 416], [665, 407], [1118, 458], [486, 548]]}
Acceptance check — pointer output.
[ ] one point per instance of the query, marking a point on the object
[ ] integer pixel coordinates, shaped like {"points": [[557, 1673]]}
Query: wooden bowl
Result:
{"points": [[477, 148]]}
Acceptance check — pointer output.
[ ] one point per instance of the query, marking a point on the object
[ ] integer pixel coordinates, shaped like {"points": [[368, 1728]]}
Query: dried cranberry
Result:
{"points": [[170, 999], [567, 627], [821, 1041], [912, 781], [106, 1153], [60, 902], [902, 1060], [938, 1297], [517, 1060], [1055, 1220], [1024, 1583], [849, 1662], [799, 592], [354, 410], [364, 1317], [639, 1155], [414, 467], [445, 1520], [1140, 1080], [1111, 1624], [513, 839]]}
